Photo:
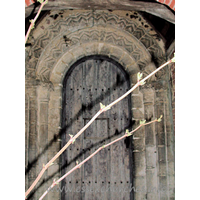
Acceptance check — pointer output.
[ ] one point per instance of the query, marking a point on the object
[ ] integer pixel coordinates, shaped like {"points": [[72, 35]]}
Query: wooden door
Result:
{"points": [[108, 175]]}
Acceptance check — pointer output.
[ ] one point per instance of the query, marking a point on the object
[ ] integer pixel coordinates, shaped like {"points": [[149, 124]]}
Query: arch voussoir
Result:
{"points": [[114, 44], [88, 49]]}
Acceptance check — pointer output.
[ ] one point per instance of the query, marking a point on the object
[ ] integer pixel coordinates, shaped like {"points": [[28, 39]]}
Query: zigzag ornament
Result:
{"points": [[77, 24]]}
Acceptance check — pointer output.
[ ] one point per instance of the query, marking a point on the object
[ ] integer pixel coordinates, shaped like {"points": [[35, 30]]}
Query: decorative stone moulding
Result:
{"points": [[130, 41]]}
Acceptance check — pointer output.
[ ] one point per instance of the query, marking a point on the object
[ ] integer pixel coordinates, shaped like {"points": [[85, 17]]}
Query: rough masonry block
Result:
{"points": [[105, 49], [169, 124], [149, 134], [140, 185], [43, 112], [133, 78], [56, 77], [140, 132], [170, 154], [148, 95], [161, 154], [126, 60], [53, 169], [32, 172], [62, 66], [91, 49], [162, 169], [160, 138], [31, 155], [137, 101], [32, 140], [138, 113], [163, 188], [153, 195], [139, 144], [55, 103], [160, 128], [141, 196], [149, 111], [32, 115], [42, 139], [140, 164], [172, 186], [171, 168], [53, 149], [151, 157], [68, 58], [32, 129]]}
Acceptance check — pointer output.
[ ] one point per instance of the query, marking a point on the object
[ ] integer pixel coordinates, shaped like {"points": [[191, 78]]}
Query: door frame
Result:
{"points": [[127, 77]]}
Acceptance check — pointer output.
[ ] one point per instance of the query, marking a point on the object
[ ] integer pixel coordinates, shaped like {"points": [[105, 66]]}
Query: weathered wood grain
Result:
{"points": [[93, 81]]}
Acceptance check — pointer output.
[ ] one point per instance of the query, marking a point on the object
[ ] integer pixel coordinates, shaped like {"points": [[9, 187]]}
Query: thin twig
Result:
{"points": [[92, 155], [137, 84], [103, 109], [35, 18], [72, 139]]}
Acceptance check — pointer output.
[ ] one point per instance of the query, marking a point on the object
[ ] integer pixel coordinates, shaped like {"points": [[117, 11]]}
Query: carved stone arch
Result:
{"points": [[120, 46], [73, 22], [88, 49]]}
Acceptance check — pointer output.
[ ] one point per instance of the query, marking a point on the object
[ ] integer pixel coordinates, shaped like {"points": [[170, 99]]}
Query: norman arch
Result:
{"points": [[131, 42]]}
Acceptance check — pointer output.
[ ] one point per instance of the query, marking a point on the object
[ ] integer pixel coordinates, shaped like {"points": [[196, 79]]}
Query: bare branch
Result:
{"points": [[32, 25], [102, 109], [127, 134]]}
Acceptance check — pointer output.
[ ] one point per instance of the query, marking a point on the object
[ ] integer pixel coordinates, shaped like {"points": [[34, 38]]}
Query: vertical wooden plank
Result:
{"points": [[108, 115], [103, 81], [102, 158], [84, 182], [124, 115], [120, 90], [87, 98], [76, 106], [68, 153], [119, 109], [115, 148], [107, 100], [96, 75], [95, 108]]}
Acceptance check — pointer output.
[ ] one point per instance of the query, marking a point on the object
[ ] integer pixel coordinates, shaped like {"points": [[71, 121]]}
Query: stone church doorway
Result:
{"points": [[90, 81]]}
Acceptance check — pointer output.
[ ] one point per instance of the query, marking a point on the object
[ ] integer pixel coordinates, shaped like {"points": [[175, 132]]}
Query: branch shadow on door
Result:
{"points": [[84, 108]]}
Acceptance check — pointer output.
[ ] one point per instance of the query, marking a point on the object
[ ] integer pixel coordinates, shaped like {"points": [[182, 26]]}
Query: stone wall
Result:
{"points": [[172, 75], [58, 41]]}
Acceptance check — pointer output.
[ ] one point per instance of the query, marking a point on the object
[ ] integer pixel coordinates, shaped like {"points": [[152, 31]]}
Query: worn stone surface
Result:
{"points": [[137, 101], [150, 135], [140, 164], [138, 113], [140, 187], [151, 157], [152, 190]]}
